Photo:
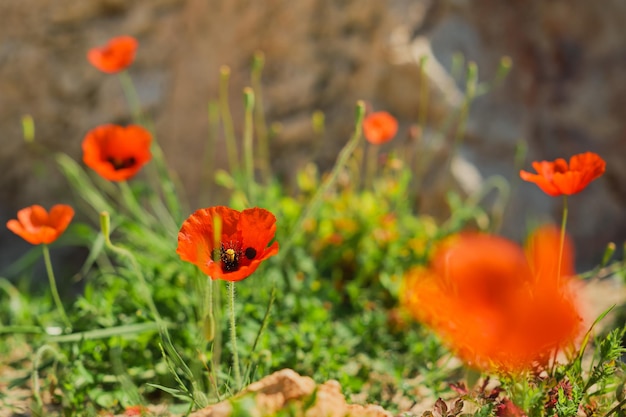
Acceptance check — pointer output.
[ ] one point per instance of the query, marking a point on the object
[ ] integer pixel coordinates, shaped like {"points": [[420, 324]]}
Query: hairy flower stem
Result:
{"points": [[131, 97], [563, 226], [53, 288], [233, 335]]}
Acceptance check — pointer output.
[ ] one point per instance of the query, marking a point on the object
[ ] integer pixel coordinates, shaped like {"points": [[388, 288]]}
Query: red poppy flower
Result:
{"points": [[243, 242], [117, 153], [498, 307], [380, 127], [115, 56], [35, 225], [558, 178]]}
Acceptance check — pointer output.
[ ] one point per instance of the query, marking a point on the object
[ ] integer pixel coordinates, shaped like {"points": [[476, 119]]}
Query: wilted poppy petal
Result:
{"points": [[115, 56]]}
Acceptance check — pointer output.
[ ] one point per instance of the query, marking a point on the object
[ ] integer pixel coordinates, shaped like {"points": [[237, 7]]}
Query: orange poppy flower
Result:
{"points": [[380, 127], [558, 177], [35, 225], [117, 153], [496, 306], [115, 56], [243, 242]]}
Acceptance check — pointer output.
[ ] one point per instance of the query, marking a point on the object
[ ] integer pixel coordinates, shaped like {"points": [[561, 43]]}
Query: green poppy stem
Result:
{"points": [[160, 174], [233, 335], [53, 288], [227, 120], [562, 243], [248, 148], [131, 96], [260, 126]]}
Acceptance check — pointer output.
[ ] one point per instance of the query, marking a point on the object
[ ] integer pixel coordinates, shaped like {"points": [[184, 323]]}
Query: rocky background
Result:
{"points": [[565, 94]]}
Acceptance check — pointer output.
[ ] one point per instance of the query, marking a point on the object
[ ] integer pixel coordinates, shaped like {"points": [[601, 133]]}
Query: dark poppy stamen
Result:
{"points": [[250, 253], [121, 163], [229, 258]]}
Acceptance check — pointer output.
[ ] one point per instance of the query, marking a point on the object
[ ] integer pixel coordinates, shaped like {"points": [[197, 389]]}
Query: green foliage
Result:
{"points": [[325, 306], [572, 388]]}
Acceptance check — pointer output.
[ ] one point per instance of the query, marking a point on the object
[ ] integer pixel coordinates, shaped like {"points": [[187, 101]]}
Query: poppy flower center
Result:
{"points": [[121, 163], [230, 256]]}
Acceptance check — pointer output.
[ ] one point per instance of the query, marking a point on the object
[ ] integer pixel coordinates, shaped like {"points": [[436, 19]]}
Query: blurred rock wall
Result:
{"points": [[563, 96]]}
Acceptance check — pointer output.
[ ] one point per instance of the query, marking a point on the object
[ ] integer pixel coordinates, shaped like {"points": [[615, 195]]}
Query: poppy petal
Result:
{"points": [[498, 307], [16, 227], [545, 185], [243, 241], [117, 153], [589, 164], [542, 251], [558, 178], [258, 227], [230, 220], [36, 226], [196, 240], [61, 216], [115, 56], [379, 127]]}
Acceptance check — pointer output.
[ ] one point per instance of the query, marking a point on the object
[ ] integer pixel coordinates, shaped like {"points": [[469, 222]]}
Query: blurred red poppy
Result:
{"points": [[35, 225], [380, 127], [117, 153], [558, 177], [243, 241], [498, 307], [115, 56]]}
